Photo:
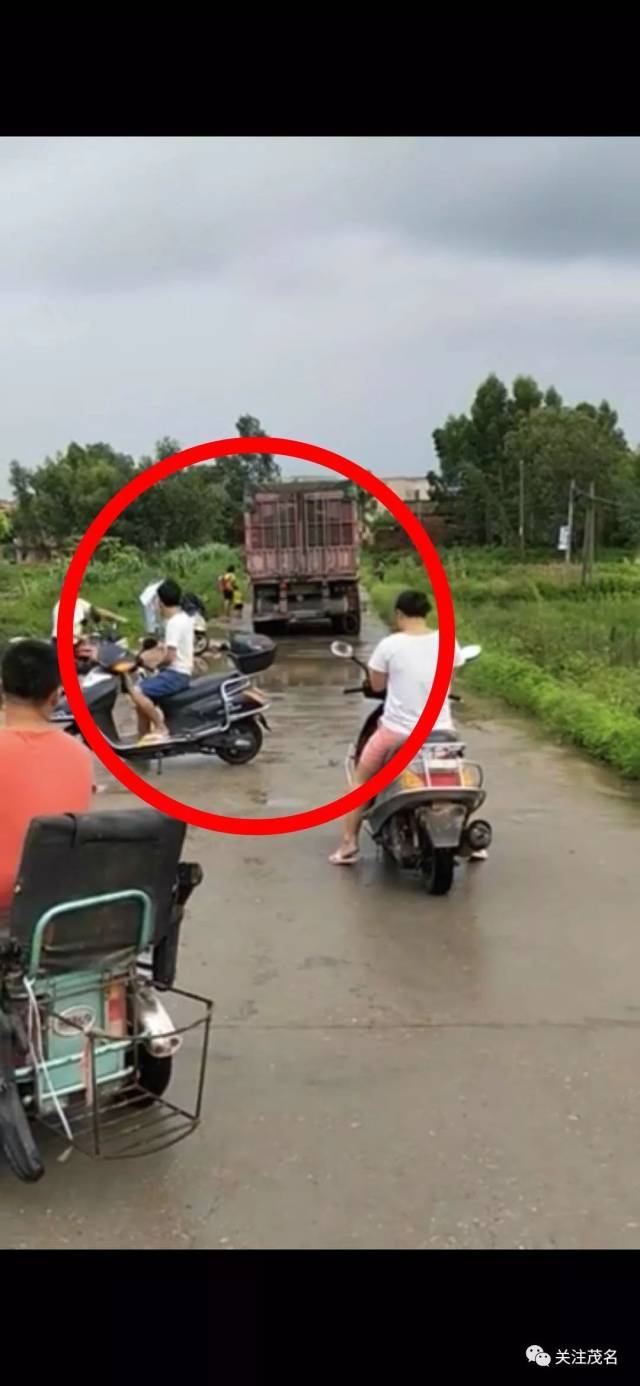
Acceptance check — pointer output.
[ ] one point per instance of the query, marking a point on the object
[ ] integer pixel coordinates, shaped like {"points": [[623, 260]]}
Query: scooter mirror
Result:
{"points": [[342, 649], [470, 652]]}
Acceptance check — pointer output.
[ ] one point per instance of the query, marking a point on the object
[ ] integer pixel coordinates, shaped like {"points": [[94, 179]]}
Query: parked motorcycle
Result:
{"points": [[88, 961], [423, 819], [218, 714]]}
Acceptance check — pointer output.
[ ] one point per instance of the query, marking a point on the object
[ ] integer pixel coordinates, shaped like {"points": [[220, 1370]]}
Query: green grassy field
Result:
{"points": [[570, 655], [28, 594]]}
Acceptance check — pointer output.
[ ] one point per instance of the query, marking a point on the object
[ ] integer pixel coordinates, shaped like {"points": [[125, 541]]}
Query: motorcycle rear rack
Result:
{"points": [[127, 1121]]}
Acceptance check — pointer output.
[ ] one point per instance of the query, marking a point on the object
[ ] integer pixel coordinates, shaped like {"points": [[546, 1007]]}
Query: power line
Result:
{"points": [[600, 500]]}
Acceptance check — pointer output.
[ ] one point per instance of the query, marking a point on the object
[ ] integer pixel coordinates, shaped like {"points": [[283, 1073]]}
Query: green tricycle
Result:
{"points": [[88, 960]]}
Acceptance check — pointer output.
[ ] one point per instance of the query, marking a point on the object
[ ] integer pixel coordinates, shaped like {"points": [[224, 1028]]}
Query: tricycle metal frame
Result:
{"points": [[109, 1112]]}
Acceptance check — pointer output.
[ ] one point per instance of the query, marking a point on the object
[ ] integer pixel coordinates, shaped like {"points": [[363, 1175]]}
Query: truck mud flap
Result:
{"points": [[16, 1139]]}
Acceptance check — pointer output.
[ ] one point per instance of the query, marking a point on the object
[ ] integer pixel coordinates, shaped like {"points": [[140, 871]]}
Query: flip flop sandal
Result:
{"points": [[349, 858]]}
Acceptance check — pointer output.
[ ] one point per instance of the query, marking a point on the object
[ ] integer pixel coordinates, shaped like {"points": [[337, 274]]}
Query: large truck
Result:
{"points": [[301, 550]]}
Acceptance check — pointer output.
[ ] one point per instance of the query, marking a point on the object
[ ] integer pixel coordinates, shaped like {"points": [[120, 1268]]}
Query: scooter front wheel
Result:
{"points": [[437, 870], [243, 746], [154, 1075], [16, 1139]]}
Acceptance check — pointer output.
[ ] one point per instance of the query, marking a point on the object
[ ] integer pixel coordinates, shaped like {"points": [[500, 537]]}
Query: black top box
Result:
{"points": [[252, 653]]}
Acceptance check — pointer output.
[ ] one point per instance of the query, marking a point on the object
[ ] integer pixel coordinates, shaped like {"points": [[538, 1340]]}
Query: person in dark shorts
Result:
{"points": [[173, 663]]}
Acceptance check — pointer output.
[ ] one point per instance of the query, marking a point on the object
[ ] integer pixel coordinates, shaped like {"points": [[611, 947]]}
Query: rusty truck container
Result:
{"points": [[302, 547]]}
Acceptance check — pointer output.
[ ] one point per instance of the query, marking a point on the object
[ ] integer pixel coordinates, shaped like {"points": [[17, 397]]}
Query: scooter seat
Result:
{"points": [[208, 687]]}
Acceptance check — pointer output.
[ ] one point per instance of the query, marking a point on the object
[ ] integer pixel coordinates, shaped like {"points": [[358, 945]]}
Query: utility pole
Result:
{"points": [[588, 552], [521, 528], [567, 552], [592, 531]]}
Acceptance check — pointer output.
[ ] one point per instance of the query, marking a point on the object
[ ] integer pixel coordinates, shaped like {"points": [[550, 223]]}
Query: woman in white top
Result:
{"points": [[403, 667]]}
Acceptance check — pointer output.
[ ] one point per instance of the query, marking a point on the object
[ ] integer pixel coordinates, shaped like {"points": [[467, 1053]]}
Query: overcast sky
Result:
{"points": [[349, 292]]}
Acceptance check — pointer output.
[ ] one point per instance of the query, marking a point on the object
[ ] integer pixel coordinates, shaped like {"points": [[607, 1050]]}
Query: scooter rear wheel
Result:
{"points": [[437, 870], [240, 753]]}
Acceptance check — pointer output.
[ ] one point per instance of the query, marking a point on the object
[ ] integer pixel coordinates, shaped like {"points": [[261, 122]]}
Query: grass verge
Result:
{"points": [[576, 670], [572, 714]]}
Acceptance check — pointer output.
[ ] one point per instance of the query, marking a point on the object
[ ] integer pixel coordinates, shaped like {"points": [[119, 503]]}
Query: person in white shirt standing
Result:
{"points": [[173, 661], [403, 667], [84, 612], [81, 617]]}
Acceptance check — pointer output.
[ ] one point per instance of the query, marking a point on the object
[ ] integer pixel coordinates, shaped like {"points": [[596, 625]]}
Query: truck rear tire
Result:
{"points": [[346, 625]]}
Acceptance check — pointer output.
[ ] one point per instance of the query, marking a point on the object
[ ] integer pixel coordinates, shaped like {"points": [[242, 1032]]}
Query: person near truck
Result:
{"points": [[228, 584]]}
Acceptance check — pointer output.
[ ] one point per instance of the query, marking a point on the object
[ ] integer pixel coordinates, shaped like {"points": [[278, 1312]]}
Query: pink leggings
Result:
{"points": [[378, 748]]}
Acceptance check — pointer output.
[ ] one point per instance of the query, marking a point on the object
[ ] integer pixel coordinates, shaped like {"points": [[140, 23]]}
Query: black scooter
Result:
{"points": [[219, 714]]}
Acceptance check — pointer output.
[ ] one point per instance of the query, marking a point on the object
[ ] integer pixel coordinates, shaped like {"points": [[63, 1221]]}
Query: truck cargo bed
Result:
{"points": [[301, 531]]}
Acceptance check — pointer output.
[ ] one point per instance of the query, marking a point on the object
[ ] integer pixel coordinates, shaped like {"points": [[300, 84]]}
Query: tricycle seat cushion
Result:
{"points": [[76, 857]]}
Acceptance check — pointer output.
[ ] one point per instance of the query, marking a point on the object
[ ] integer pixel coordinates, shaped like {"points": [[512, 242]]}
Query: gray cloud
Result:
{"points": [[348, 291]]}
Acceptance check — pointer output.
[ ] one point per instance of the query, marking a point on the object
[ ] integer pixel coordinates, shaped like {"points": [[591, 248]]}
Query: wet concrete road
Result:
{"points": [[388, 1070]]}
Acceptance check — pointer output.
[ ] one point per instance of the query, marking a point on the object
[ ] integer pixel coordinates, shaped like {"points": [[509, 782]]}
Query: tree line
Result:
{"points": [[56, 501], [526, 444]]}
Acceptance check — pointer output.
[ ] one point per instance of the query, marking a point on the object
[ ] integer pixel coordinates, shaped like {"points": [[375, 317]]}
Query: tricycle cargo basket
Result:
{"points": [[109, 1092]]}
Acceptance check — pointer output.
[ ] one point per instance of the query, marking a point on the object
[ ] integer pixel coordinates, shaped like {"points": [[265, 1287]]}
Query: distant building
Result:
{"points": [[408, 488]]}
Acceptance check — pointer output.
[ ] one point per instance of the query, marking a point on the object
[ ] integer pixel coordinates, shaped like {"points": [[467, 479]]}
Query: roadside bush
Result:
{"points": [[573, 714]]}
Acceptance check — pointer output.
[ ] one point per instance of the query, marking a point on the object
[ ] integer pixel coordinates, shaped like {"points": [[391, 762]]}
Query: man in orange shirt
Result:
{"points": [[42, 769]]}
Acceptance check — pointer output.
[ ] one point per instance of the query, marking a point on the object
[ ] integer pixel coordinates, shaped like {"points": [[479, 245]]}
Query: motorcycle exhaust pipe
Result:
{"points": [[161, 1038]]}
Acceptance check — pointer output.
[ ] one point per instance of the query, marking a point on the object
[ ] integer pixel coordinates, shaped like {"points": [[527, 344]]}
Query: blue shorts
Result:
{"points": [[163, 684]]}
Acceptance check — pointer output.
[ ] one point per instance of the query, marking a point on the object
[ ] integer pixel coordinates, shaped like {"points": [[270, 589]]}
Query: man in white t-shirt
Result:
{"points": [[402, 667], [173, 661]]}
